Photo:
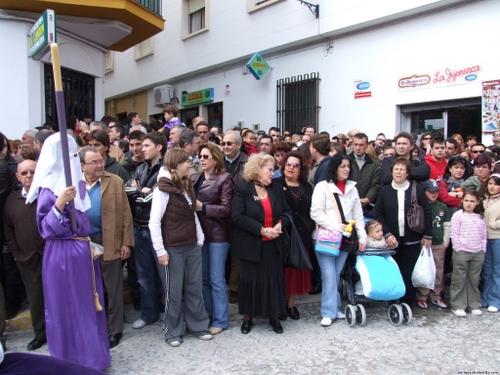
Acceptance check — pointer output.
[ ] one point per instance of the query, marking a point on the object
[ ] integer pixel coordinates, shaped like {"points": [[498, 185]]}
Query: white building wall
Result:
{"points": [[22, 81], [454, 38]]}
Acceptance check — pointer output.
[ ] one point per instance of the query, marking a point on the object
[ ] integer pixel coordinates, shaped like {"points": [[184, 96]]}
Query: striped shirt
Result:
{"points": [[468, 232]]}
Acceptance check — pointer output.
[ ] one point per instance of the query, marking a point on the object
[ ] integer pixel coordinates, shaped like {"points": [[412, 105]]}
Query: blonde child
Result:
{"points": [[468, 235], [375, 234]]}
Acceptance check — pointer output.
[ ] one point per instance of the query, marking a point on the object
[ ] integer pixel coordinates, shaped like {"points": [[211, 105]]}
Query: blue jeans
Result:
{"points": [[147, 274], [214, 282], [331, 267], [491, 275]]}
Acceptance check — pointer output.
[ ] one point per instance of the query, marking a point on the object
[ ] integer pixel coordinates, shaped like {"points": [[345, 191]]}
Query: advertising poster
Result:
{"points": [[491, 105], [363, 88]]}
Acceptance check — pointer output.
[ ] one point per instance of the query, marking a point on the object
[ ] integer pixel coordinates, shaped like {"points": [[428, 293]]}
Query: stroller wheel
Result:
{"points": [[396, 314], [407, 313], [350, 315], [360, 315]]}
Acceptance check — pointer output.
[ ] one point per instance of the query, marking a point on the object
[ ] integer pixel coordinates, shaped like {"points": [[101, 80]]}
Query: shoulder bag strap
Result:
{"points": [[337, 204], [341, 210], [414, 192]]}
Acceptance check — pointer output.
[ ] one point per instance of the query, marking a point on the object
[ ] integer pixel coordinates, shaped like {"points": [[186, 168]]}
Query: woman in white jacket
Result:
{"points": [[325, 214]]}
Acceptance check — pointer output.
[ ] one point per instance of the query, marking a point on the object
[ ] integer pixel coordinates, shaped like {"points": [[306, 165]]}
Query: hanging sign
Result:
{"points": [[448, 76], [42, 34], [257, 66], [491, 105], [197, 97]]}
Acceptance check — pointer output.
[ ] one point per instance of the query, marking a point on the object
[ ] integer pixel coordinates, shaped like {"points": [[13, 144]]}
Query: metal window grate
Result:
{"points": [[297, 100], [79, 94]]}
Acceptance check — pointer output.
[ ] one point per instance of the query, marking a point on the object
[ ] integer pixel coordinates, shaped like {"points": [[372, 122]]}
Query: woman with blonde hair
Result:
{"points": [[177, 237], [214, 193], [257, 215]]}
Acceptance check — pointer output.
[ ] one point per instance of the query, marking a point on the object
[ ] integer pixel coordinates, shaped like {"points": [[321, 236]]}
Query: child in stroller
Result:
{"points": [[380, 279]]}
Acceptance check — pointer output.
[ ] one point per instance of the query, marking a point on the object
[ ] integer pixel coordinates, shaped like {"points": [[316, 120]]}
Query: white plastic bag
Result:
{"points": [[424, 273]]}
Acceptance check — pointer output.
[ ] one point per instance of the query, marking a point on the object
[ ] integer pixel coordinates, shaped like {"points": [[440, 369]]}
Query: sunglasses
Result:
{"points": [[229, 143], [478, 152], [25, 173], [427, 138], [205, 156], [292, 164]]}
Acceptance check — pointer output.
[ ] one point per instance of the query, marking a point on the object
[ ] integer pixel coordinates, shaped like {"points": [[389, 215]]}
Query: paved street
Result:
{"points": [[436, 342]]}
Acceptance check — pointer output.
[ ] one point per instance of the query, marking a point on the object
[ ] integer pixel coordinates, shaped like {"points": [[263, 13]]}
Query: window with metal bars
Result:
{"points": [[297, 102], [79, 94]]}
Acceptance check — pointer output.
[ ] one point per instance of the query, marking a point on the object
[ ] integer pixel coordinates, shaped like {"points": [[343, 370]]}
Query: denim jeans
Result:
{"points": [[214, 282], [491, 275], [148, 274], [331, 267]]}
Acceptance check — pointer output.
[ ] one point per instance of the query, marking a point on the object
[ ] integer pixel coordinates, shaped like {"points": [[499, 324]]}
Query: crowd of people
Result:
{"points": [[198, 217]]}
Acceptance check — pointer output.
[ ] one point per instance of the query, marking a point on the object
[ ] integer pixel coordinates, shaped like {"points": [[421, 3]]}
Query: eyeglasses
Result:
{"points": [[496, 135], [380, 139], [292, 164], [428, 138], [95, 163], [478, 152], [229, 143], [205, 156], [25, 173]]}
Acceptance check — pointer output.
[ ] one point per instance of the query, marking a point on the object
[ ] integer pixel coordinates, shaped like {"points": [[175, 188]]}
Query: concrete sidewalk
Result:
{"points": [[436, 342]]}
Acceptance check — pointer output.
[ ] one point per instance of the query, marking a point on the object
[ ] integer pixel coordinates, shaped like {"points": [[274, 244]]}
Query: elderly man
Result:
{"points": [[190, 141], [26, 245], [234, 161], [110, 226], [175, 134], [28, 137]]}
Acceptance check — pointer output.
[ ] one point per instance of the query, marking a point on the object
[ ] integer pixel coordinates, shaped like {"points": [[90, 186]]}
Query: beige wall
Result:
{"points": [[137, 102]]}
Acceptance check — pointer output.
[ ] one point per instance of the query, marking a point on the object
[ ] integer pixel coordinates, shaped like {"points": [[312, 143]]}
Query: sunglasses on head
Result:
{"points": [[293, 164], [229, 143], [205, 156]]}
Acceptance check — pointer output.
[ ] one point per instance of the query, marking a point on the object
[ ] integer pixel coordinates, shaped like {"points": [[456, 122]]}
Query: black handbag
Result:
{"points": [[415, 216], [349, 244], [294, 252]]}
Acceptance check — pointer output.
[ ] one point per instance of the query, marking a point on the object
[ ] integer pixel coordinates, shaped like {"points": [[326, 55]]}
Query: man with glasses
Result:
{"points": [[496, 138], [234, 161], [26, 245], [476, 149], [110, 226], [380, 140]]}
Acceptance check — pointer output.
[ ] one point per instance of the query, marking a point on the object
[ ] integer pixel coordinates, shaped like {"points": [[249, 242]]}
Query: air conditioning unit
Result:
{"points": [[163, 94]]}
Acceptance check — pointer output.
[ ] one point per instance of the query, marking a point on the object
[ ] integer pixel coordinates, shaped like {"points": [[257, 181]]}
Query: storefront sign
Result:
{"points": [[197, 97], [363, 88], [438, 78], [42, 35], [257, 66], [491, 105]]}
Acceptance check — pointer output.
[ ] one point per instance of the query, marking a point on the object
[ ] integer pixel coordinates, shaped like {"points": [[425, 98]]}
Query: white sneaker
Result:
{"points": [[174, 343], [326, 322], [492, 309], [476, 312], [340, 315], [206, 337], [139, 323], [460, 313]]}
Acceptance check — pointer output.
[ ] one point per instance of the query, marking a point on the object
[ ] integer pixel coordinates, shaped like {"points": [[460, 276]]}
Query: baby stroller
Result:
{"points": [[381, 280]]}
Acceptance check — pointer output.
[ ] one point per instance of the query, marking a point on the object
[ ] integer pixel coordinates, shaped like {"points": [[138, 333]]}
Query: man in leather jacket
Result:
{"points": [[140, 193]]}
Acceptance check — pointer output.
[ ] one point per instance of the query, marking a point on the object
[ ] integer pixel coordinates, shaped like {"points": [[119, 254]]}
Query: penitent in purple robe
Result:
{"points": [[75, 330]]}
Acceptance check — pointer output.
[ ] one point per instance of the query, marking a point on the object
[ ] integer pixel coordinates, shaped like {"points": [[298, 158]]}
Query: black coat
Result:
{"points": [[247, 215], [301, 210]]}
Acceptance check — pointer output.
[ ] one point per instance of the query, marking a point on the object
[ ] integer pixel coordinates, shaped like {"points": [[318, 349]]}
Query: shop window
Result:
{"points": [[196, 17], [109, 62], [253, 5], [187, 115], [144, 49], [297, 102], [215, 115]]}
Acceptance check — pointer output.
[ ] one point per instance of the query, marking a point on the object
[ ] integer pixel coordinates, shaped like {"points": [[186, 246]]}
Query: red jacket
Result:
{"points": [[445, 198], [438, 168]]}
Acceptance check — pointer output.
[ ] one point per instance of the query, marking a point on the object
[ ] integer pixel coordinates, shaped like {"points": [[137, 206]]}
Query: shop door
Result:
{"points": [[187, 116], [215, 115], [452, 117]]}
